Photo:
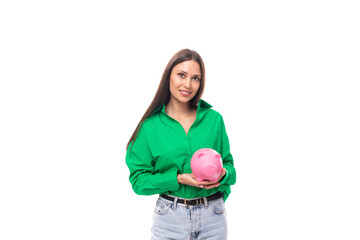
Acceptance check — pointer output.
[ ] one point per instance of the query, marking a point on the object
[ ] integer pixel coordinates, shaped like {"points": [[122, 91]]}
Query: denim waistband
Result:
{"points": [[194, 201]]}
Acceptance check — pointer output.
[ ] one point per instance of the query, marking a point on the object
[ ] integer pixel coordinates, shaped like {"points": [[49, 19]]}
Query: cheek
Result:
{"points": [[174, 81], [197, 86]]}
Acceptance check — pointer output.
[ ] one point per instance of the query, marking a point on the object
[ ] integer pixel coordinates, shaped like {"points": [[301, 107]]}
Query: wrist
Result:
{"points": [[179, 178]]}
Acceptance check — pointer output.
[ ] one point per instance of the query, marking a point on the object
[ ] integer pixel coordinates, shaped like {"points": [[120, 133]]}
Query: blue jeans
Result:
{"points": [[176, 221]]}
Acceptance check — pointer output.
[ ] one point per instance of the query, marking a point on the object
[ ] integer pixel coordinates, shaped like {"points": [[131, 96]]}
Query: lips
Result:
{"points": [[184, 93]]}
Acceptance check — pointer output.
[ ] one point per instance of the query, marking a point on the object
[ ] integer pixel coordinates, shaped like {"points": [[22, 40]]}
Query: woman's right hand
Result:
{"points": [[189, 179]]}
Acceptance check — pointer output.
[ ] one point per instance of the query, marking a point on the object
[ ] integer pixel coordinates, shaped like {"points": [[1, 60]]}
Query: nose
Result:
{"points": [[187, 82]]}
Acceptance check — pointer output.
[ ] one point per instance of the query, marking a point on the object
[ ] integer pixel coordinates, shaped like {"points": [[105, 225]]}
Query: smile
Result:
{"points": [[184, 93]]}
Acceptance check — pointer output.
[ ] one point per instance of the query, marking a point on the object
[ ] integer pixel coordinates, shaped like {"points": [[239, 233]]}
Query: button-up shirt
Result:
{"points": [[162, 149]]}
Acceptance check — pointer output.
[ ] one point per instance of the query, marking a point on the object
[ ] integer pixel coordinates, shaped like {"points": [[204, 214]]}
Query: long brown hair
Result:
{"points": [[163, 92]]}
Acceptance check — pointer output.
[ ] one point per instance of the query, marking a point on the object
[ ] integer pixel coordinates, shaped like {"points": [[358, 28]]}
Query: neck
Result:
{"points": [[174, 108]]}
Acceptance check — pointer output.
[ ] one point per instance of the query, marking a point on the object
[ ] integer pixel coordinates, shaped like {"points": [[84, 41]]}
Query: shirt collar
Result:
{"points": [[202, 105]]}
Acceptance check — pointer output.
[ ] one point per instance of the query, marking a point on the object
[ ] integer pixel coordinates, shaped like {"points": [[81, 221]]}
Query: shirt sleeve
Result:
{"points": [[228, 162], [143, 178]]}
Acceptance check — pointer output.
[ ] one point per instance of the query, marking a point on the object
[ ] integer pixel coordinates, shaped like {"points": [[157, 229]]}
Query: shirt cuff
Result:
{"points": [[168, 181], [224, 178]]}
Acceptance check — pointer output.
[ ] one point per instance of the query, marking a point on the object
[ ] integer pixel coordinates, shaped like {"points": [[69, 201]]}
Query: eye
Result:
{"points": [[197, 78], [181, 75]]}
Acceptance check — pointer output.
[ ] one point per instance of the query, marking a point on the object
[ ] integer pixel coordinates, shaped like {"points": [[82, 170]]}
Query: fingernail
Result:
{"points": [[201, 186]]}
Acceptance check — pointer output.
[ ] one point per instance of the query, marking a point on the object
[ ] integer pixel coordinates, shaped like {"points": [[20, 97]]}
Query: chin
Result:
{"points": [[183, 100]]}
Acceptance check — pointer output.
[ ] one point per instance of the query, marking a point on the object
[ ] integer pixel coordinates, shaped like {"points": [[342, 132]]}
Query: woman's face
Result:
{"points": [[185, 81]]}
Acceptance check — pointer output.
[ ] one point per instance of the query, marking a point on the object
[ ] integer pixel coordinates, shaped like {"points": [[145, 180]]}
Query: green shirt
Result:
{"points": [[162, 150]]}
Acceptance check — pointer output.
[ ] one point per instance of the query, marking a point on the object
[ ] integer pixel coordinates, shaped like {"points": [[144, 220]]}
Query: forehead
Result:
{"points": [[190, 66]]}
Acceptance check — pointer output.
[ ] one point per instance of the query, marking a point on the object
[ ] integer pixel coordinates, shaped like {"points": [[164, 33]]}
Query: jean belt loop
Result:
{"points": [[205, 202], [175, 203]]}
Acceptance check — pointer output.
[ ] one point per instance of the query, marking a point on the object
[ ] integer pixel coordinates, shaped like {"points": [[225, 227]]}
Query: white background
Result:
{"points": [[76, 77]]}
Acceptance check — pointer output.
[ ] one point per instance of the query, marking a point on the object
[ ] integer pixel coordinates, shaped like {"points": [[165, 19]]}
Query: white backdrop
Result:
{"points": [[76, 77]]}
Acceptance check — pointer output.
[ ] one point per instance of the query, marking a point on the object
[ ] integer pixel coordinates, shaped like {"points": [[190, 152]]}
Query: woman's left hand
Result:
{"points": [[223, 173], [208, 184]]}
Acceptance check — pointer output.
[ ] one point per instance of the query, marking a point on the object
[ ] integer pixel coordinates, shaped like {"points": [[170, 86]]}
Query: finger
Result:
{"points": [[205, 183], [212, 186], [223, 172], [193, 182]]}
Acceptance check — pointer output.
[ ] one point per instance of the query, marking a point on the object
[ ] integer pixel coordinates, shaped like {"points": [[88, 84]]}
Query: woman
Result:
{"points": [[177, 124]]}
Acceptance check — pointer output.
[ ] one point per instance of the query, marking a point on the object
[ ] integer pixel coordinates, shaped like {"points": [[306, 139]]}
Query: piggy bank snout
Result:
{"points": [[209, 170]]}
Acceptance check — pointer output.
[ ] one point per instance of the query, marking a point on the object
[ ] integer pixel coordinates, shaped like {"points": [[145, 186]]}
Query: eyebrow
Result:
{"points": [[196, 75]]}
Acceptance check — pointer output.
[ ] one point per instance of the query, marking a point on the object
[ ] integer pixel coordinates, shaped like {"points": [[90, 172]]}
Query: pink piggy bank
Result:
{"points": [[206, 164]]}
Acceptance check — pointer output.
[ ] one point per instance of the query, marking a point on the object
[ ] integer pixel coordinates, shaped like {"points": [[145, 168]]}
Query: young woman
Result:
{"points": [[176, 124]]}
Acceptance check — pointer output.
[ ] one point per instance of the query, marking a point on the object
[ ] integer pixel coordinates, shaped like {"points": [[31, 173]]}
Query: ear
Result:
{"points": [[200, 155], [218, 156]]}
